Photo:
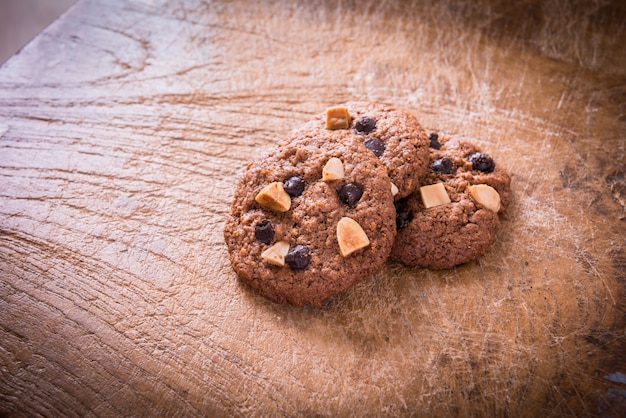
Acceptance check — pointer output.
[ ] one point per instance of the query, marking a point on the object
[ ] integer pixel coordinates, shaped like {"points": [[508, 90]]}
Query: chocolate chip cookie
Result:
{"points": [[453, 216], [391, 134], [311, 218]]}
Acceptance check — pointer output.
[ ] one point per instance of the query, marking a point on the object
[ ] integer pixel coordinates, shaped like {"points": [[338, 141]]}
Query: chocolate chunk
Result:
{"points": [[482, 162], [434, 140], [264, 232], [350, 193], [294, 186], [375, 145], [298, 257], [403, 214], [365, 125], [443, 165]]}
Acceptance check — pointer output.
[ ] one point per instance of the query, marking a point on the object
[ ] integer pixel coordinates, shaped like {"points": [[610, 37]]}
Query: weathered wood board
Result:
{"points": [[125, 125]]}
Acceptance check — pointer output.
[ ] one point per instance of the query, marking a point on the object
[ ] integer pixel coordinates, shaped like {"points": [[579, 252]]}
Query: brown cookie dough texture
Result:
{"points": [[453, 216], [393, 135], [303, 246]]}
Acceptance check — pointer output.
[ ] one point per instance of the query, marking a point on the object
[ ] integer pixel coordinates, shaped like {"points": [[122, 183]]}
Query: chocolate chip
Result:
{"points": [[294, 186], [365, 125], [403, 214], [264, 232], [443, 165], [482, 162], [298, 257], [350, 193], [434, 140], [375, 145]]}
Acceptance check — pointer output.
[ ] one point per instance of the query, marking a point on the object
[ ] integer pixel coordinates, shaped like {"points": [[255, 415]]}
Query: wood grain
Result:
{"points": [[125, 125]]}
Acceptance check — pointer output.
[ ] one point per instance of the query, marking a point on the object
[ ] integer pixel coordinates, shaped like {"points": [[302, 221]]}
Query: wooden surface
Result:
{"points": [[125, 125]]}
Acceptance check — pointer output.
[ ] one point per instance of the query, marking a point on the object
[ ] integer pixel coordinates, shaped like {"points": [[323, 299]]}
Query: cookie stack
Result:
{"points": [[362, 183]]}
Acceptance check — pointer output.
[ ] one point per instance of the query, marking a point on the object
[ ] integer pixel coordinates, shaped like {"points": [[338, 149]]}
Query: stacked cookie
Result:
{"points": [[363, 182]]}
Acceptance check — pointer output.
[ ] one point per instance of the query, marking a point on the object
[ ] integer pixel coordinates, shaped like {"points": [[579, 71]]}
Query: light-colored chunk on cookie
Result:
{"points": [[337, 117], [333, 170], [274, 197], [434, 195], [350, 236], [486, 196], [276, 253]]}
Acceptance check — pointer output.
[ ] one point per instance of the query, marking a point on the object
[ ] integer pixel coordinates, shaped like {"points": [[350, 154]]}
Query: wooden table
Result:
{"points": [[125, 125]]}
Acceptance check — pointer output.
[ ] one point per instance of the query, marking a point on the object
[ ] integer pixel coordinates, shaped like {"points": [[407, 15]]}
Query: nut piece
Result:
{"points": [[337, 118], [350, 236], [394, 189], [434, 195], [276, 253], [274, 197], [333, 170], [486, 196]]}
